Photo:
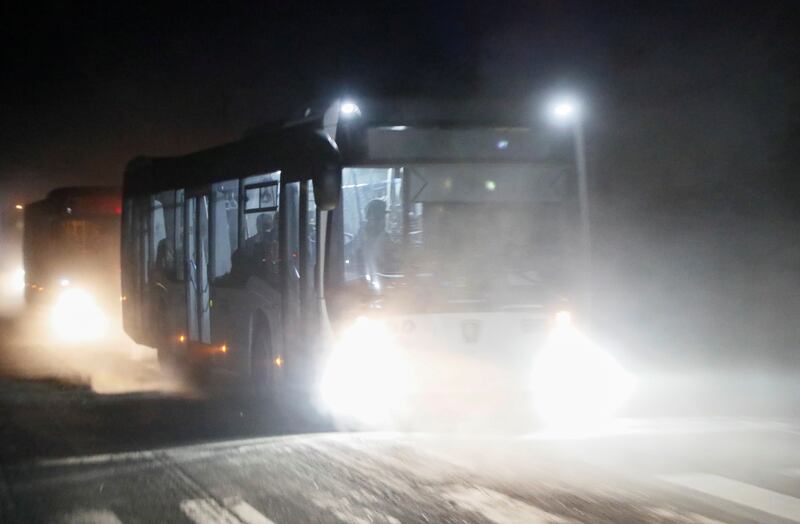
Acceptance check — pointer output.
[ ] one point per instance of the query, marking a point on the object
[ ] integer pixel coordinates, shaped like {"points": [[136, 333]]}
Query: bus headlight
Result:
{"points": [[576, 383], [366, 378], [76, 317]]}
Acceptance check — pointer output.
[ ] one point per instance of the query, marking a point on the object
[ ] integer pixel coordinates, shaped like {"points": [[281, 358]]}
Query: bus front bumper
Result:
{"points": [[564, 380]]}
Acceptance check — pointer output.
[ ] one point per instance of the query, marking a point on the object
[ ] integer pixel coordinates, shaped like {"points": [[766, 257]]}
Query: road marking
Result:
{"points": [[209, 511], [96, 459], [500, 508], [740, 493], [247, 513], [91, 516], [349, 512]]}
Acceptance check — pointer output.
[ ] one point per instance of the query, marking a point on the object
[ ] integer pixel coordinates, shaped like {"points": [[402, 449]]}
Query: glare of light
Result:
{"points": [[76, 317], [223, 348], [181, 338], [398, 128], [14, 281], [18, 279], [366, 378], [19, 207], [491, 185], [502, 144], [563, 318], [577, 385], [64, 282], [349, 109], [565, 109], [278, 361]]}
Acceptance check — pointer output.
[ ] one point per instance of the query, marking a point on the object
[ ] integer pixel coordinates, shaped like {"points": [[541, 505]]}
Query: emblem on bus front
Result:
{"points": [[471, 331]]}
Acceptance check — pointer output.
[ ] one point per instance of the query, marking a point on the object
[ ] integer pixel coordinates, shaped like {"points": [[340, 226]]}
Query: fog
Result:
{"points": [[112, 364]]}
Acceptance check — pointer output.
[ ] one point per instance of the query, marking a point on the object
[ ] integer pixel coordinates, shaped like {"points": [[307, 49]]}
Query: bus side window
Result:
{"points": [[164, 233], [311, 242], [258, 255], [225, 216], [128, 251], [179, 261], [143, 223], [158, 240]]}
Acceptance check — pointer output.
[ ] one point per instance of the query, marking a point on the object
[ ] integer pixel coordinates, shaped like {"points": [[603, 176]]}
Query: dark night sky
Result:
{"points": [[89, 86]]}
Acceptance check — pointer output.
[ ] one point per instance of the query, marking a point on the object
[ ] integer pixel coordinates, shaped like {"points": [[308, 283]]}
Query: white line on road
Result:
{"points": [[91, 516], [96, 459], [499, 508], [235, 511], [209, 511], [754, 497], [349, 511], [247, 513]]}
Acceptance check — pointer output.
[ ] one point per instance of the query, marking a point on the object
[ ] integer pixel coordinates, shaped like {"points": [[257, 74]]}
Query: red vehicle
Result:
{"points": [[71, 259]]}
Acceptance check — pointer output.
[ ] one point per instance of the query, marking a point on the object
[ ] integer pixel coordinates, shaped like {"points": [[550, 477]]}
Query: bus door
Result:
{"points": [[225, 267], [198, 297], [299, 304]]}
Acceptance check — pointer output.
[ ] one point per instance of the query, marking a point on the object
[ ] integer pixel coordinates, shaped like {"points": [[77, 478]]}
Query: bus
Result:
{"points": [[70, 251], [371, 256]]}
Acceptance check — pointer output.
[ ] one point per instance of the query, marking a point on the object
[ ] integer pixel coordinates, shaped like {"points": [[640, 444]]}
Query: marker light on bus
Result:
{"points": [[575, 383], [278, 361], [76, 317], [366, 378]]}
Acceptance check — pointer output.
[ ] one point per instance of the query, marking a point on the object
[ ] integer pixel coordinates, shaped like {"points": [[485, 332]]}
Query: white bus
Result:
{"points": [[372, 256]]}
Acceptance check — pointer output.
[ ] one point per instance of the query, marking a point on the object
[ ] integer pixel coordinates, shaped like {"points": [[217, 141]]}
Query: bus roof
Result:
{"points": [[65, 193], [385, 132], [81, 200]]}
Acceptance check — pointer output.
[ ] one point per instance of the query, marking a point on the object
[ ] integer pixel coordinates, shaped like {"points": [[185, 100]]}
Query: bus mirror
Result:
{"points": [[327, 185]]}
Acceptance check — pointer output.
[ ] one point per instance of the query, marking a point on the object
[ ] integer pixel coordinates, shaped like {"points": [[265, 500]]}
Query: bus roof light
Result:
{"points": [[349, 109]]}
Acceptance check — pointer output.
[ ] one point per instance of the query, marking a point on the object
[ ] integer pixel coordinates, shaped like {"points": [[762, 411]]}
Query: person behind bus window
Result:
{"points": [[372, 244], [259, 254]]}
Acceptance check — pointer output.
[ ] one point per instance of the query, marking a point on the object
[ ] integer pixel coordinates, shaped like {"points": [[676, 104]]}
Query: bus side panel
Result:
{"points": [[133, 300]]}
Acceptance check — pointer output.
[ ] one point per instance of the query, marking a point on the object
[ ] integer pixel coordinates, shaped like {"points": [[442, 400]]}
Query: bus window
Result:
{"points": [[225, 226], [143, 226], [293, 231], [180, 264], [311, 239], [373, 219], [259, 254], [164, 220], [157, 247]]}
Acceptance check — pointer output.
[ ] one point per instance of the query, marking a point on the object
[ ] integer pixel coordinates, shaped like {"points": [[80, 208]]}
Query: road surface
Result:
{"points": [[72, 455]]}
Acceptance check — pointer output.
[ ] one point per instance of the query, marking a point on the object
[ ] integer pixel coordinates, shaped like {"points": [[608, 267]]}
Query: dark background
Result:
{"points": [[693, 123]]}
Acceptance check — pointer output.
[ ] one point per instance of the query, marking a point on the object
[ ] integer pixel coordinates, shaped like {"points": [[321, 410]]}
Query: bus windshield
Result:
{"points": [[472, 230], [87, 235]]}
